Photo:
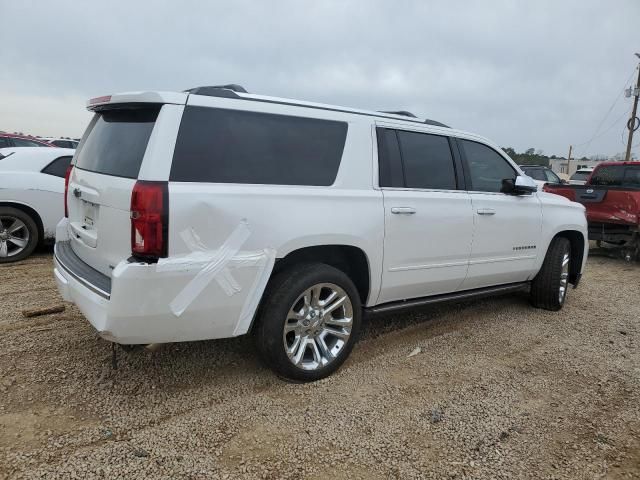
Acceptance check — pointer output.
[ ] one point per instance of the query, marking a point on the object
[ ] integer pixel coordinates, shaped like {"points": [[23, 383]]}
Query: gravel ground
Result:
{"points": [[497, 390]]}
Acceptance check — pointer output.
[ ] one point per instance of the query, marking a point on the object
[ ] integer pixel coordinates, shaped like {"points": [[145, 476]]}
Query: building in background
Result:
{"points": [[561, 166]]}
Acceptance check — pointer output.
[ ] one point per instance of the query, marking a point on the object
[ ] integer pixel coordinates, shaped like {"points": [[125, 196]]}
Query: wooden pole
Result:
{"points": [[632, 121]]}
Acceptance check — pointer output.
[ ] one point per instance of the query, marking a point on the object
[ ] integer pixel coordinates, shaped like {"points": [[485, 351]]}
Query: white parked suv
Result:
{"points": [[31, 198], [213, 213]]}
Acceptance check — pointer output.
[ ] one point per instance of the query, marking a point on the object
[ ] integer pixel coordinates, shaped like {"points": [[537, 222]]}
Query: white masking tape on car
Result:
{"points": [[216, 265]]}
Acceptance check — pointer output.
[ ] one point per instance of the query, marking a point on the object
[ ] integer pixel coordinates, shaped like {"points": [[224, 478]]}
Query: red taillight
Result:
{"points": [[149, 219], [66, 189]]}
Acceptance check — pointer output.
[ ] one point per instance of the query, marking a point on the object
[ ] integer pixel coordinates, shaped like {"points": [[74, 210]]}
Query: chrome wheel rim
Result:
{"points": [[14, 236], [318, 326], [564, 277]]}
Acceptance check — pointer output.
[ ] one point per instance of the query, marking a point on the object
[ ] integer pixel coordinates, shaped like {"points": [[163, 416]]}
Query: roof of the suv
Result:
{"points": [[239, 93]]}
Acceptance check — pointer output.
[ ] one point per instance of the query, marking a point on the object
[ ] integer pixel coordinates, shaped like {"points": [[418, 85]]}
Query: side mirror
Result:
{"points": [[522, 185]]}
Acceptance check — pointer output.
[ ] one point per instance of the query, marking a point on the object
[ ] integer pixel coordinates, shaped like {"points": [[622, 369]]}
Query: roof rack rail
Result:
{"points": [[435, 123], [229, 90], [404, 113]]}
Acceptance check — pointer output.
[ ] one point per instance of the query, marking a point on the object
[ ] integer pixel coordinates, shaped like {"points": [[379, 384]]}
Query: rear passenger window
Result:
{"points": [[427, 161], [486, 167], [234, 146], [389, 162], [58, 167]]}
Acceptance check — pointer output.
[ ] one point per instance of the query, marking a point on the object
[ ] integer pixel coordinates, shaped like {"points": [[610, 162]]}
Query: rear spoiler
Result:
{"points": [[99, 103]]}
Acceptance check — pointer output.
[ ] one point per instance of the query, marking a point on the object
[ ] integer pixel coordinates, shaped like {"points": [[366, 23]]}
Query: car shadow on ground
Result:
{"points": [[236, 360]]}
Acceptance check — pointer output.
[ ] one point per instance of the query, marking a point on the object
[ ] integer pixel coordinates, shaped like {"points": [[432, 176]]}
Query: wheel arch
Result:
{"points": [[351, 260], [32, 213]]}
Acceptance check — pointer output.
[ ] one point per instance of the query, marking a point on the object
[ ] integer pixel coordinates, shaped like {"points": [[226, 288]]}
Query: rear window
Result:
{"points": [[233, 146], [617, 176], [580, 176], [116, 140]]}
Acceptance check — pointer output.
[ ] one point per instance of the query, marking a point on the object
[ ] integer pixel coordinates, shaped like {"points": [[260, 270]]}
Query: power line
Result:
{"points": [[612, 125], [588, 142]]}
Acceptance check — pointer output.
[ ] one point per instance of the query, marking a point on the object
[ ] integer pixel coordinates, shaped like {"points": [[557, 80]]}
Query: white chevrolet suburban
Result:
{"points": [[213, 213]]}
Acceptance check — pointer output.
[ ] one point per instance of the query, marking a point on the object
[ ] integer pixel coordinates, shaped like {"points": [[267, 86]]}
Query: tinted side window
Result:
{"points": [[233, 146], [536, 174], [58, 167], [389, 162], [631, 177], [486, 167], [551, 176], [427, 161], [5, 142], [116, 140]]}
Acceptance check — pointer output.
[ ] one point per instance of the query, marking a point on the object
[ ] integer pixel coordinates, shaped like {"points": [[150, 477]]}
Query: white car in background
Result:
{"points": [[62, 142], [581, 176], [31, 198]]}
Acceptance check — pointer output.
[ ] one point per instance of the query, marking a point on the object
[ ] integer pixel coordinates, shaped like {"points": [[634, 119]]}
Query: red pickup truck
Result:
{"points": [[612, 199]]}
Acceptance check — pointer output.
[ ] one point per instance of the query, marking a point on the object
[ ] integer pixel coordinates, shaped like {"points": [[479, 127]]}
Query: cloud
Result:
{"points": [[526, 74]]}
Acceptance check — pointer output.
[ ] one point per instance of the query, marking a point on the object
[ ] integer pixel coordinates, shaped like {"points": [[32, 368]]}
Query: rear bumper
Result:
{"points": [[132, 306]]}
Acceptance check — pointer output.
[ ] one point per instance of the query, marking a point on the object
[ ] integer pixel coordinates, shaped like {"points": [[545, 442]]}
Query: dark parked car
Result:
{"points": [[13, 140]]}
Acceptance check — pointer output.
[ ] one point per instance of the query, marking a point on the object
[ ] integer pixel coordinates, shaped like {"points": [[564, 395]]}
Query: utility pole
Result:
{"points": [[631, 124], [569, 161]]}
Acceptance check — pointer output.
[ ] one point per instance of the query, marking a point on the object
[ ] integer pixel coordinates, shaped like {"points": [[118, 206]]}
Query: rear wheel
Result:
{"points": [[549, 288], [309, 321], [18, 235]]}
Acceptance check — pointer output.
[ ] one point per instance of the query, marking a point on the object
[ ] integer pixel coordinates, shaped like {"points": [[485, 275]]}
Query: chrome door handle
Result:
{"points": [[403, 210], [486, 211]]}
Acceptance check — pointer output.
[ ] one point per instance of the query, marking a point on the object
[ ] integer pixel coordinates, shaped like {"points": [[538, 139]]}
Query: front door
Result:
{"points": [[506, 228]]}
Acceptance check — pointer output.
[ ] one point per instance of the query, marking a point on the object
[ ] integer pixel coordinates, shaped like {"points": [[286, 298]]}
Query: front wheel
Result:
{"points": [[549, 288], [309, 321]]}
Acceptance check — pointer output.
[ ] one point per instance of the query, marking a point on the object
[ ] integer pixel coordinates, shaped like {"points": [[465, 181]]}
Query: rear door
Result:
{"points": [[507, 228], [106, 166], [428, 219]]}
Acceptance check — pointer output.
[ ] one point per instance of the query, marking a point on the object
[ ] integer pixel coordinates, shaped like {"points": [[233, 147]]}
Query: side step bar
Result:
{"points": [[448, 297]]}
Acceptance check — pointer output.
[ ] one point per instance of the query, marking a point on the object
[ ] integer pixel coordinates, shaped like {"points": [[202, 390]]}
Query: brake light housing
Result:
{"points": [[149, 220], [67, 175]]}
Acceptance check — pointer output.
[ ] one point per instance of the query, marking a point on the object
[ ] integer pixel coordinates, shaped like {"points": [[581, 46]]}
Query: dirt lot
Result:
{"points": [[499, 390]]}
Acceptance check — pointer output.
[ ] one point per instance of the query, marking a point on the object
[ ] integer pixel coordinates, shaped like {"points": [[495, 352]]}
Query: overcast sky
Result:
{"points": [[538, 74]]}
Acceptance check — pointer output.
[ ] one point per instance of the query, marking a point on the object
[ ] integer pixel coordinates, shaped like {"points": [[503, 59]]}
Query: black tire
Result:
{"points": [[279, 297], [7, 216], [546, 286]]}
